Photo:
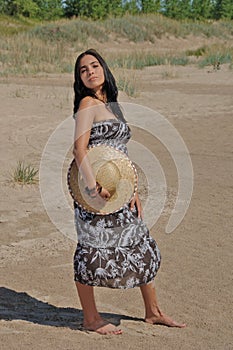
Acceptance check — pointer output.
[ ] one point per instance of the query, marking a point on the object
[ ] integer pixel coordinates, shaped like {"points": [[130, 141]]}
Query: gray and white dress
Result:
{"points": [[114, 250]]}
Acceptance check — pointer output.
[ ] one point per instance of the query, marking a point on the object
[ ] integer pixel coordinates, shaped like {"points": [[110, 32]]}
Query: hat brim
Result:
{"points": [[125, 181]]}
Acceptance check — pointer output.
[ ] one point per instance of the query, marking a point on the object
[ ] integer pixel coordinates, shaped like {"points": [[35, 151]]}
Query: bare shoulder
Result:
{"points": [[86, 113], [87, 102]]}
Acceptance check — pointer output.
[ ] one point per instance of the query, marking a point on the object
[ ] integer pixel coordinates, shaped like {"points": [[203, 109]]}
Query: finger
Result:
{"points": [[140, 213], [132, 204], [107, 195]]}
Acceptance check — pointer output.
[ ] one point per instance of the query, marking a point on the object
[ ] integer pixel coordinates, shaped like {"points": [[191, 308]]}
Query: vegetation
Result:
{"points": [[217, 55], [40, 9], [28, 46], [141, 59], [25, 174], [127, 85], [100, 9]]}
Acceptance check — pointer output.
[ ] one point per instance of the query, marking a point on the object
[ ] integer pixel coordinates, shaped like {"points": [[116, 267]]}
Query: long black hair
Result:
{"points": [[109, 87]]}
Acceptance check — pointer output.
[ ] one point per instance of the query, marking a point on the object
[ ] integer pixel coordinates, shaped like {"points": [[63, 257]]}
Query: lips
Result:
{"points": [[92, 78]]}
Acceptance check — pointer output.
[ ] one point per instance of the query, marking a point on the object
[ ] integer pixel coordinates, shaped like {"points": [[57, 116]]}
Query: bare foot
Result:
{"points": [[102, 327], [160, 318]]}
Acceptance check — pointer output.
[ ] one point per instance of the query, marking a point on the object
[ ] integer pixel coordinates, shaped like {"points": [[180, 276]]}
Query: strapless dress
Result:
{"points": [[114, 250]]}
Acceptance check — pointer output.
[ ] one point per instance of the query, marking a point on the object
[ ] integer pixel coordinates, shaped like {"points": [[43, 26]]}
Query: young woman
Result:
{"points": [[129, 263]]}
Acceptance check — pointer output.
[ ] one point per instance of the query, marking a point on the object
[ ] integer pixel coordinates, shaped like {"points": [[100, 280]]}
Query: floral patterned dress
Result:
{"points": [[114, 250]]}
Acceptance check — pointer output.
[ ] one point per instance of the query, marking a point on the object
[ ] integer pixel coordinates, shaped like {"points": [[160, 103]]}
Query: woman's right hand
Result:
{"points": [[98, 200], [105, 194]]}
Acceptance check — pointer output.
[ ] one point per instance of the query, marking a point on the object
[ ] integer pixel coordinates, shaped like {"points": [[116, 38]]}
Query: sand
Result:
{"points": [[39, 305]]}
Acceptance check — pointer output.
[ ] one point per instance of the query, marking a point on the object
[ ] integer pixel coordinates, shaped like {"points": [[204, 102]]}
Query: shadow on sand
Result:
{"points": [[21, 306]]}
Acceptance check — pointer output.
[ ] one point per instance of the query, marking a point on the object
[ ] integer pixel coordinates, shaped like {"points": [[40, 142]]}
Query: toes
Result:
{"points": [[108, 332], [181, 325], [165, 321], [176, 324], [108, 329]]}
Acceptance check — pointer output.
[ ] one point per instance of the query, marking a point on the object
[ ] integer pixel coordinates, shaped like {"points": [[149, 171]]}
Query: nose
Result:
{"points": [[90, 71]]}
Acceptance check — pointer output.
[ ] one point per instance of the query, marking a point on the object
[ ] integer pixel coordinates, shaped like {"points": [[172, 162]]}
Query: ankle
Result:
{"points": [[153, 311], [93, 319]]}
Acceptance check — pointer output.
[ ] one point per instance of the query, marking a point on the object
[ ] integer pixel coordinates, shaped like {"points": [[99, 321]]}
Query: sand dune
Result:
{"points": [[39, 306]]}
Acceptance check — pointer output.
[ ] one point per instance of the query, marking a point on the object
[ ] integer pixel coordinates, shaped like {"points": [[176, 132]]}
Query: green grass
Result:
{"points": [[213, 59], [200, 51], [25, 174], [148, 27], [11, 25], [132, 28], [136, 28], [140, 59], [69, 31], [217, 53]]}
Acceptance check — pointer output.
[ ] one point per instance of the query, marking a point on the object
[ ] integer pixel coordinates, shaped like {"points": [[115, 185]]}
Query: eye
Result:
{"points": [[83, 70]]}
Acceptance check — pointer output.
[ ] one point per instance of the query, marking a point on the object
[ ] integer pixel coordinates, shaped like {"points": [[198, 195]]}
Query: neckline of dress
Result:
{"points": [[106, 120]]}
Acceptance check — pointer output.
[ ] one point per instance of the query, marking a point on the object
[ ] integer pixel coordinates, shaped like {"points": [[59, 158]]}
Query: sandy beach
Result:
{"points": [[39, 306]]}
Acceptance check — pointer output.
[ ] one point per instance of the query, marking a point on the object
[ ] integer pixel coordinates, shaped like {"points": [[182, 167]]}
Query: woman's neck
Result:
{"points": [[101, 96]]}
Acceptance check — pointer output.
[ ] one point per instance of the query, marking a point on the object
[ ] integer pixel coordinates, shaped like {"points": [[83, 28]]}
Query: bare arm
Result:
{"points": [[136, 201], [83, 124]]}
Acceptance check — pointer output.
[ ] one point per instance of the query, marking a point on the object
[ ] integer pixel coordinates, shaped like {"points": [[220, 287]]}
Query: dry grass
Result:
{"points": [[52, 47], [217, 54], [126, 81], [169, 72]]}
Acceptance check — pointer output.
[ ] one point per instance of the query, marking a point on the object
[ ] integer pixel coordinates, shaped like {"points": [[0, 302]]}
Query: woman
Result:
{"points": [[99, 120]]}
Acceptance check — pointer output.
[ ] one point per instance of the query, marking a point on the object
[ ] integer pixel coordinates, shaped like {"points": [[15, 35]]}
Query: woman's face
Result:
{"points": [[91, 72]]}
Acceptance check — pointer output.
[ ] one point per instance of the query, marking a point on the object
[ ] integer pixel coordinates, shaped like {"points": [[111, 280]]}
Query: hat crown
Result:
{"points": [[107, 175], [114, 171]]}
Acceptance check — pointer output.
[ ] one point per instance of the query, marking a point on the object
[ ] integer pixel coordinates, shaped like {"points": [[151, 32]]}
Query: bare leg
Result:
{"points": [[92, 320], [153, 314]]}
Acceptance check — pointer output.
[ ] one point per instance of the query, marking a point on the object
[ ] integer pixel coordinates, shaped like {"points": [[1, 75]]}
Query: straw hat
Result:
{"points": [[114, 171]]}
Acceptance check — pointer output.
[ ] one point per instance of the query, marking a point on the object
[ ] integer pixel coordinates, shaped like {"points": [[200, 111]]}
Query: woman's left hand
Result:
{"points": [[136, 201]]}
